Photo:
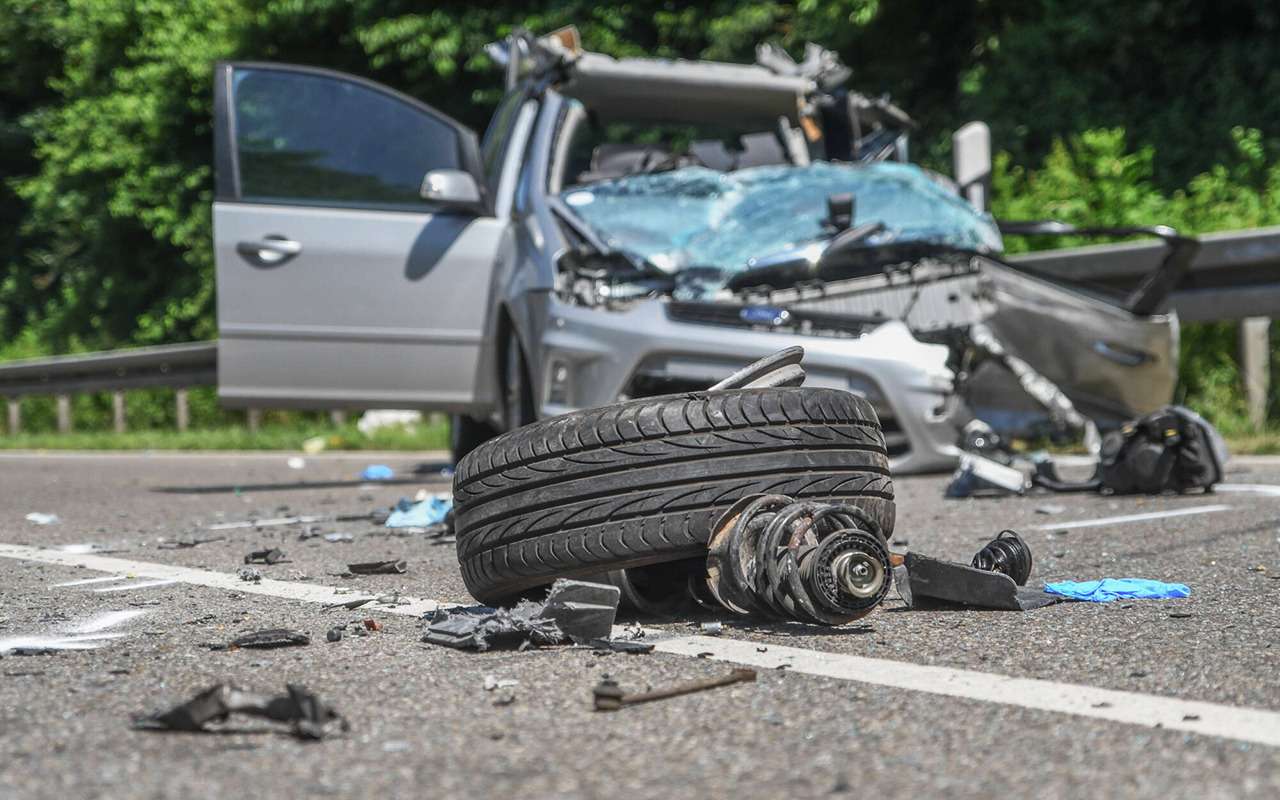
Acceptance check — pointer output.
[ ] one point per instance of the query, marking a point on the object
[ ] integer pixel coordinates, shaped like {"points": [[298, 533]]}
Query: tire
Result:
{"points": [[466, 434], [517, 393], [642, 482]]}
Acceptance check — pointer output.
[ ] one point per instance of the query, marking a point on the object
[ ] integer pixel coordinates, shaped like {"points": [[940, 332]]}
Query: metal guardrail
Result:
{"points": [[1235, 275], [175, 365]]}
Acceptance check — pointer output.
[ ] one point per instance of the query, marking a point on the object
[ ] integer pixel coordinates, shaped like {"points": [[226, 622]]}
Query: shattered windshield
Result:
{"points": [[699, 217]]}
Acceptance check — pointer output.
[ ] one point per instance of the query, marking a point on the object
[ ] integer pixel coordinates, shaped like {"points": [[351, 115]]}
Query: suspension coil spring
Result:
{"points": [[1006, 553], [779, 558]]}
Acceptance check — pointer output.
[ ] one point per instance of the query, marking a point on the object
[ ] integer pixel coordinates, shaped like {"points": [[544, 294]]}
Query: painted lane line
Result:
{"points": [[289, 590], [1211, 719], [1270, 490], [128, 587], [88, 581], [1148, 516]]}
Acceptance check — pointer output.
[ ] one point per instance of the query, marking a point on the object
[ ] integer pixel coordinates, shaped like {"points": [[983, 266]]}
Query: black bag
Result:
{"points": [[1170, 450]]}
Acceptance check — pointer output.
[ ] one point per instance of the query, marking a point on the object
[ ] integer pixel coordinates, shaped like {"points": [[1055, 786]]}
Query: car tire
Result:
{"points": [[517, 393], [466, 434], [642, 482]]}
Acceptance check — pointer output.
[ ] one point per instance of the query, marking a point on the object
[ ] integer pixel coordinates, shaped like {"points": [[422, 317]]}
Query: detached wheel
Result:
{"points": [[643, 482], [466, 434]]}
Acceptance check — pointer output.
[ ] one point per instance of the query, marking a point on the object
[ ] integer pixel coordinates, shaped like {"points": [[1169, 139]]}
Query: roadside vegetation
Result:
{"points": [[1165, 113]]}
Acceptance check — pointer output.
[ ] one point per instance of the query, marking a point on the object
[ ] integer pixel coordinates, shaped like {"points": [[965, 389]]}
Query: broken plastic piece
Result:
{"points": [[390, 567], [42, 519], [629, 646], [273, 556], [335, 633], [271, 638], [980, 476], [249, 575], [1108, 589], [583, 611], [482, 628], [309, 717], [993, 581]]}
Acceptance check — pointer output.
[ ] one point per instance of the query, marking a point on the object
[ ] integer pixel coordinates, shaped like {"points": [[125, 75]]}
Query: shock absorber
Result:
{"points": [[779, 558]]}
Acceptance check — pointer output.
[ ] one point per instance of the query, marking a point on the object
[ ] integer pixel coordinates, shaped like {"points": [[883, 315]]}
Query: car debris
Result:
{"points": [[608, 695], [268, 639], [249, 575], [779, 558], [272, 555], [335, 633], [338, 538], [389, 567], [350, 605], [1109, 589], [995, 579], [978, 476], [41, 518], [308, 717], [711, 628], [574, 611], [628, 646], [493, 683]]}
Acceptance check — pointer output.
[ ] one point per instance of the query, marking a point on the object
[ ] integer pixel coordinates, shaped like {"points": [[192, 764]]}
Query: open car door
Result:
{"points": [[338, 284]]}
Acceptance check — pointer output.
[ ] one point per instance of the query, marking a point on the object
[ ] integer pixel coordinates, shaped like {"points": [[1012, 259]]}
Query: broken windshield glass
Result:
{"points": [[698, 217]]}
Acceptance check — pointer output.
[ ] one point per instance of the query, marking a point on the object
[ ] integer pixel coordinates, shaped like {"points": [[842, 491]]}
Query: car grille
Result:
{"points": [[790, 320]]}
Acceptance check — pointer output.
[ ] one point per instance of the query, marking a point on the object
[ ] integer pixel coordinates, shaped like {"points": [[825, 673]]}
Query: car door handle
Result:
{"points": [[270, 251]]}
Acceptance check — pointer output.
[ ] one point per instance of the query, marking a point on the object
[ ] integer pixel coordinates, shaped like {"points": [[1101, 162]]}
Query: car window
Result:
{"points": [[496, 138], [317, 139]]}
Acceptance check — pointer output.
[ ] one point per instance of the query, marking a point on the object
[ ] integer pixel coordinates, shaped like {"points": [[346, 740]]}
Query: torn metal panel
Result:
{"points": [[482, 628], [923, 580], [583, 611]]}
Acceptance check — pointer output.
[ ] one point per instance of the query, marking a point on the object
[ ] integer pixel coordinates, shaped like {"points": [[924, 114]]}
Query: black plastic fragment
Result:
{"points": [[309, 717], [583, 611], [483, 628], [273, 556], [271, 638], [621, 646], [391, 567], [922, 579]]}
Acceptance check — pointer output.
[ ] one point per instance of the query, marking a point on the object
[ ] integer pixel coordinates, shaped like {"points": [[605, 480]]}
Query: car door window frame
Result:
{"points": [[227, 182]]}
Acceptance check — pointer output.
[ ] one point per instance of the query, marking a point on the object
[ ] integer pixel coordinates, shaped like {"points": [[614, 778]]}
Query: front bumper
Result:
{"points": [[590, 357]]}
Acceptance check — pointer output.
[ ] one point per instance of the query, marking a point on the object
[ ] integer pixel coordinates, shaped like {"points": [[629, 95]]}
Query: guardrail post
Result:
{"points": [[254, 419], [338, 417], [1255, 364], [64, 413], [15, 416], [117, 411], [183, 409]]}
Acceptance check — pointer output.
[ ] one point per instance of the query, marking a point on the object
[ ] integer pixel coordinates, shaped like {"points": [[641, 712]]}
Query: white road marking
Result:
{"points": [[128, 587], [1267, 489], [290, 590], [265, 523], [1211, 719], [87, 581], [1150, 515]]}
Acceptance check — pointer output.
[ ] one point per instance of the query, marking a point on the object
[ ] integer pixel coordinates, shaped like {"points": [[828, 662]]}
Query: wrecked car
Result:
{"points": [[636, 227]]}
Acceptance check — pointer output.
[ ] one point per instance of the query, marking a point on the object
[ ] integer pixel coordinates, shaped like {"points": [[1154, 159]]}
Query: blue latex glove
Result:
{"points": [[408, 514], [377, 472], [1108, 589]]}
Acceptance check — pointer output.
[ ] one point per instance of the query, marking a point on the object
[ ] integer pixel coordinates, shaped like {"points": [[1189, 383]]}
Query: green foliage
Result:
{"points": [[1150, 114]]}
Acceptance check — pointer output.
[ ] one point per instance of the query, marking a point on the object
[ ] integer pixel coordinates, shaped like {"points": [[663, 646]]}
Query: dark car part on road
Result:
{"points": [[995, 580], [308, 717], [272, 556], [269, 639], [778, 558], [574, 611], [390, 567], [643, 482], [608, 695], [1173, 449]]}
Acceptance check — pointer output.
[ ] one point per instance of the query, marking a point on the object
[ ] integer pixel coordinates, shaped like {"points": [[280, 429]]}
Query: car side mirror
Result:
{"points": [[451, 189]]}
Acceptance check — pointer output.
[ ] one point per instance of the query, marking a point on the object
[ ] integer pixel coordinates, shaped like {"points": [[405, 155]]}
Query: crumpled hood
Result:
{"points": [[700, 217]]}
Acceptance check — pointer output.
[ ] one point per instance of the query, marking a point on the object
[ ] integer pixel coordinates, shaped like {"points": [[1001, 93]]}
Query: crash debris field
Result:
{"points": [[141, 658]]}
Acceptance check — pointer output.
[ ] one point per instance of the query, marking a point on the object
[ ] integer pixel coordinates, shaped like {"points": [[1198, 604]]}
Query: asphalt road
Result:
{"points": [[423, 725]]}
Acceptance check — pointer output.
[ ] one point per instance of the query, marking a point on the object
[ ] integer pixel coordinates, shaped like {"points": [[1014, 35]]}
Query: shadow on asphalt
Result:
{"points": [[231, 488]]}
